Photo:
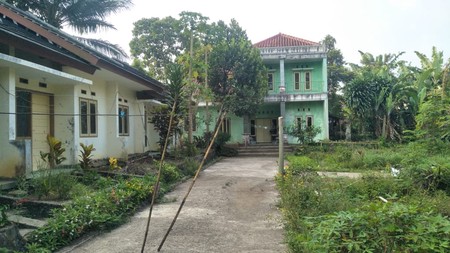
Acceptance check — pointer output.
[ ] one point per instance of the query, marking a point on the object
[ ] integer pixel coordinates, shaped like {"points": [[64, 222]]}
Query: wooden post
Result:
{"points": [[280, 146]]}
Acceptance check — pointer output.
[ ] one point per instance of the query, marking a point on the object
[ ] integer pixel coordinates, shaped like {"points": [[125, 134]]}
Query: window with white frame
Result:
{"points": [[296, 80], [270, 80], [124, 120], [307, 80], [302, 78], [88, 117]]}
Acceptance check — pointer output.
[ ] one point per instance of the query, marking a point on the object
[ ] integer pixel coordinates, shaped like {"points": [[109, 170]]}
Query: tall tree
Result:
{"points": [[433, 84], [174, 101], [83, 16], [337, 75], [237, 73], [156, 44], [378, 96], [194, 28]]}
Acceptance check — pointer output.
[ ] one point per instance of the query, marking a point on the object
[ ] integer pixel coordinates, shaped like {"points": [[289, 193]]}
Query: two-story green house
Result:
{"points": [[297, 79]]}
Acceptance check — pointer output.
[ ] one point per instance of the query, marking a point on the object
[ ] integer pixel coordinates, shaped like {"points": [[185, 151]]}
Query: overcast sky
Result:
{"points": [[374, 26]]}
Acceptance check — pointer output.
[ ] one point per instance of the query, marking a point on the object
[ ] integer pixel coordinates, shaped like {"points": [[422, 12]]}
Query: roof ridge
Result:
{"points": [[283, 40]]}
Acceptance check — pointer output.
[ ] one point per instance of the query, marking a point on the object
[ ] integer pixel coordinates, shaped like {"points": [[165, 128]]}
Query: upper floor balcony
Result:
{"points": [[293, 52]]}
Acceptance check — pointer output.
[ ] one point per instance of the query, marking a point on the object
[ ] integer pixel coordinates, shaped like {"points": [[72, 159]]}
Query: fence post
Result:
{"points": [[280, 146]]}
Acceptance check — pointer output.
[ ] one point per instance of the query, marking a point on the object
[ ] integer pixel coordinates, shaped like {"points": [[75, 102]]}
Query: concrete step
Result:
{"points": [[6, 184], [265, 154], [27, 222]]}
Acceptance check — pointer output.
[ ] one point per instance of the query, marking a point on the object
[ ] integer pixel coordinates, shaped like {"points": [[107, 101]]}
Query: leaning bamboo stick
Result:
{"points": [[219, 121], [158, 178]]}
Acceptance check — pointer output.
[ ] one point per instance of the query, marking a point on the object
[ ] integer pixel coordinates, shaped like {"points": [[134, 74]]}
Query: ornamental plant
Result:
{"points": [[86, 156], [55, 156]]}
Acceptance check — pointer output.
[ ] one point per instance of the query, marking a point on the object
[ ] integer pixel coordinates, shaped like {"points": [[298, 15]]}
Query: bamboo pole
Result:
{"points": [[158, 178], [219, 121]]}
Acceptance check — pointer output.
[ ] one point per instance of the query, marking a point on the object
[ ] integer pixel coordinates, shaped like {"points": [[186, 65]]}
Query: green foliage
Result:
{"points": [[301, 164], [430, 175], [202, 142], [189, 166], [175, 106], [83, 16], [50, 184], [377, 228], [160, 118], [237, 75], [304, 134], [55, 156], [349, 215], [227, 152], [86, 156], [433, 120], [3, 218], [220, 141], [169, 173], [106, 208]]}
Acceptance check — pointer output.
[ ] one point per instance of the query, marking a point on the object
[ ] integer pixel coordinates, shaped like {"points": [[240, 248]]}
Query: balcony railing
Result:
{"points": [[292, 50], [316, 86]]}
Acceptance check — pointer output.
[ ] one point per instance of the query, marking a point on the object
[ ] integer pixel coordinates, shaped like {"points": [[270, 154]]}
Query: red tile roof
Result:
{"points": [[283, 40]]}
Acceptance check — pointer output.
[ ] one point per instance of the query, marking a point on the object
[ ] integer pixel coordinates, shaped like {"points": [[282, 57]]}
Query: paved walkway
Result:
{"points": [[232, 208]]}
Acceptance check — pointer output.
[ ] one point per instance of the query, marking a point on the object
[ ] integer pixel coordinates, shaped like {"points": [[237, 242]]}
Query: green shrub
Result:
{"points": [[101, 210], [169, 172], [227, 152], [50, 184], [189, 166], [390, 227], [299, 164], [3, 218], [202, 142], [220, 141]]}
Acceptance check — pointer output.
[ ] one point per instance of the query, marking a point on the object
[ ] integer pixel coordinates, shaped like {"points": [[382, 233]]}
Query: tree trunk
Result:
{"points": [[384, 128]]}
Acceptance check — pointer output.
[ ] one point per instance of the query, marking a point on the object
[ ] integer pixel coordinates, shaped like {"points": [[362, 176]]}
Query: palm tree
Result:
{"points": [[83, 16]]}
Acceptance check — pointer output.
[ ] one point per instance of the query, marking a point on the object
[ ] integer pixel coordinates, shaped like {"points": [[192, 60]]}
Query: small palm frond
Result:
{"points": [[105, 47]]}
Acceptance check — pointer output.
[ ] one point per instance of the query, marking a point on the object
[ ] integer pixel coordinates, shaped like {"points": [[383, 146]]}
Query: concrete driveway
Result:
{"points": [[232, 208]]}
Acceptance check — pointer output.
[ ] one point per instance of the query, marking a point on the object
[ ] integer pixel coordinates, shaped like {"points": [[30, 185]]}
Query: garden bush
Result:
{"points": [[101, 210], [170, 173], [52, 184], [189, 166], [300, 164], [378, 227], [3, 218]]}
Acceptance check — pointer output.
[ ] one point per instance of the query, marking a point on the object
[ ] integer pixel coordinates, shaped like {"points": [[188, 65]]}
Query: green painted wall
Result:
{"points": [[317, 78], [237, 124], [295, 110], [268, 111]]}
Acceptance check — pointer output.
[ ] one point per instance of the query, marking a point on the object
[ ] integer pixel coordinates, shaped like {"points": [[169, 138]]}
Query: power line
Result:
{"points": [[68, 114]]}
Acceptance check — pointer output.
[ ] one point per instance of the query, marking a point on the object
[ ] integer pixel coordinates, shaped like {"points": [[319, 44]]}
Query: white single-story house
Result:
{"points": [[51, 83]]}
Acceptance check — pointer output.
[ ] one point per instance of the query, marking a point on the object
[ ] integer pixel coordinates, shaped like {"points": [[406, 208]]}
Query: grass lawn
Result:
{"points": [[374, 213]]}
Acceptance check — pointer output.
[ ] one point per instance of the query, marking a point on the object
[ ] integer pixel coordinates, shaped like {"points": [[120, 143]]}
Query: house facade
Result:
{"points": [[50, 83], [297, 80]]}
